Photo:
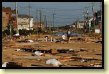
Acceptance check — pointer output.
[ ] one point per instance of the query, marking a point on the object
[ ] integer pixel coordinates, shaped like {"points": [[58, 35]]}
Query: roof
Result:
{"points": [[6, 8], [24, 16]]}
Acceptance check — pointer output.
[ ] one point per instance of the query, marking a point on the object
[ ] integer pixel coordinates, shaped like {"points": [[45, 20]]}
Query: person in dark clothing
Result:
{"points": [[68, 36]]}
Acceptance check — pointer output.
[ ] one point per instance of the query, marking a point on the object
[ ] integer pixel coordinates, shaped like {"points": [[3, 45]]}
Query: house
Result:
{"points": [[4, 21], [95, 22], [23, 22], [6, 16], [74, 24], [80, 24]]}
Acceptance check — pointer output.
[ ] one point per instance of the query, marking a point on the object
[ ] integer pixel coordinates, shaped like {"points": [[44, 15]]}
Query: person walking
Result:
{"points": [[68, 36], [63, 37]]}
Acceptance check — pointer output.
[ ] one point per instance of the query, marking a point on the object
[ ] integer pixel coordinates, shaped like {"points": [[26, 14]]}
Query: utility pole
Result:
{"points": [[29, 15], [86, 18], [93, 14], [101, 16], [40, 17], [37, 15], [10, 28], [17, 17], [50, 25], [45, 21], [53, 21], [36, 27], [101, 10]]}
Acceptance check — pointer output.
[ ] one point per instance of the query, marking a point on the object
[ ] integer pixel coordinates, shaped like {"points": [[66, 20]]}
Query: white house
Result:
{"points": [[23, 22]]}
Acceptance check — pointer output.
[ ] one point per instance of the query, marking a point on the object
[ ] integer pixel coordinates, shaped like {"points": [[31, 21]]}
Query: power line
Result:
{"points": [[61, 9]]}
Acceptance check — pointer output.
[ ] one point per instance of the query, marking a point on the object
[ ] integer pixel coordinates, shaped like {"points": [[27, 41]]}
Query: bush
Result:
{"points": [[25, 32], [7, 32]]}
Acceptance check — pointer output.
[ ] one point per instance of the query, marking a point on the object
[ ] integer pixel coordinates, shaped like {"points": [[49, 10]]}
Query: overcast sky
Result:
{"points": [[65, 12]]}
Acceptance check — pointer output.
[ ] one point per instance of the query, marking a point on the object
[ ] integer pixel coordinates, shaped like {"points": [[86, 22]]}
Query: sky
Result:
{"points": [[65, 13]]}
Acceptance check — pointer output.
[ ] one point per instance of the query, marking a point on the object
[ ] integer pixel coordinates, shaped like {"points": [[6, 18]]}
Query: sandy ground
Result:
{"points": [[94, 51]]}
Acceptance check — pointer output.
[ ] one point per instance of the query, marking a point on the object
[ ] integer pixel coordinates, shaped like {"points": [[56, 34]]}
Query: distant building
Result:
{"points": [[74, 24], [95, 23], [80, 24], [6, 16], [4, 21], [38, 25], [98, 20], [23, 22]]}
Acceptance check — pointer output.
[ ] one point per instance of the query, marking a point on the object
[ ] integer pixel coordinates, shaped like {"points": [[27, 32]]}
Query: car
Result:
{"points": [[16, 36], [61, 33]]}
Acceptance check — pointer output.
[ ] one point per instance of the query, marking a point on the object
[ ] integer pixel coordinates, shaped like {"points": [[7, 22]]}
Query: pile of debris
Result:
{"points": [[11, 64], [54, 62], [37, 53], [26, 40]]}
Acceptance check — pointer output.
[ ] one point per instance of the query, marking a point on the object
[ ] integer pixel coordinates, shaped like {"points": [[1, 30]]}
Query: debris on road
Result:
{"points": [[54, 62]]}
